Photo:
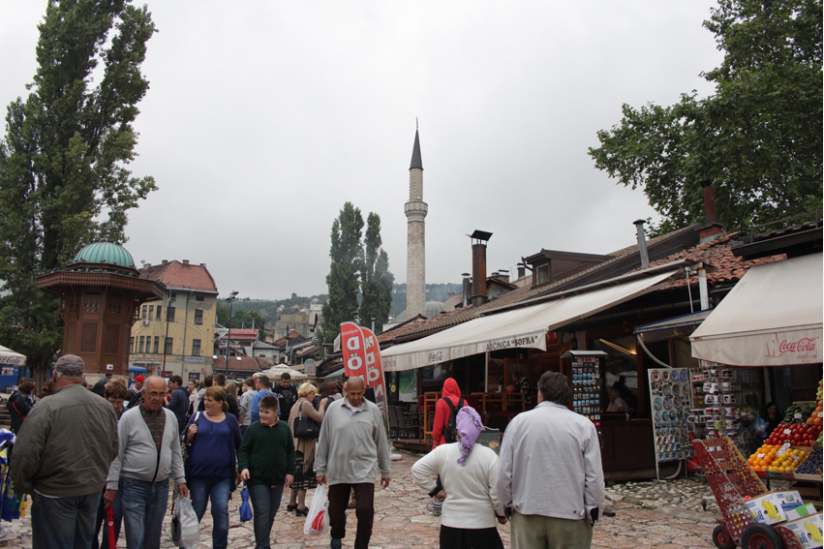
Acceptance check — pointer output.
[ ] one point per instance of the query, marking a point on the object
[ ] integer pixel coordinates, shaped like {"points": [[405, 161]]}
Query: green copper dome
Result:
{"points": [[105, 252]]}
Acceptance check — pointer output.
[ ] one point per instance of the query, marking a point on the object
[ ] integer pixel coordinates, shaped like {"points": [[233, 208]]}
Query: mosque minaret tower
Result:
{"points": [[415, 210]]}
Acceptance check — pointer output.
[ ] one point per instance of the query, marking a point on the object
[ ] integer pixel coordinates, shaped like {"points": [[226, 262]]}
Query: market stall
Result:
{"points": [[12, 364]]}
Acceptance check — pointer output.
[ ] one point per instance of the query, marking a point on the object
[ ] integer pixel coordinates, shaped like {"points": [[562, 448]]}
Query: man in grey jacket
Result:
{"points": [[149, 453], [549, 472], [61, 456], [352, 447]]}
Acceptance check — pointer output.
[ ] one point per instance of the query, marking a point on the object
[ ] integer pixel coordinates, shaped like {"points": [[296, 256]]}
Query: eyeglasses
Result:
{"points": [[157, 395]]}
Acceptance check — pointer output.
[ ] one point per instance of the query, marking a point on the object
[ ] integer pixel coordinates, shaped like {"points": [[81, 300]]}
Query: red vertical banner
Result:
{"points": [[374, 368], [351, 344]]}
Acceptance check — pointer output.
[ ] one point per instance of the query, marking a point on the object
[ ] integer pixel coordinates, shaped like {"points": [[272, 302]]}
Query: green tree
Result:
{"points": [[758, 138], [376, 280], [347, 257], [63, 175]]}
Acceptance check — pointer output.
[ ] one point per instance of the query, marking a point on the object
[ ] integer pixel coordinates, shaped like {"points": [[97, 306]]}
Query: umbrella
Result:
{"points": [[275, 372], [11, 358]]}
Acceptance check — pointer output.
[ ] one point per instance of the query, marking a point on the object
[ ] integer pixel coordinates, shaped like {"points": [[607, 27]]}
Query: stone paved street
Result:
{"points": [[401, 522]]}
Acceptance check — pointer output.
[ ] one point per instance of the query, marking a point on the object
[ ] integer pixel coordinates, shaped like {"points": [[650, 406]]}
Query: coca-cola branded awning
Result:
{"points": [[11, 358], [773, 317]]}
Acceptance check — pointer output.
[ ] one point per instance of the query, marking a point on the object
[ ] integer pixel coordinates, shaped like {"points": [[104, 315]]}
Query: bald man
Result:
{"points": [[352, 448]]}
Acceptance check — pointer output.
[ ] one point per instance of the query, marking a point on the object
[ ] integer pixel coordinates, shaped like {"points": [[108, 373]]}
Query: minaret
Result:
{"points": [[415, 210]]}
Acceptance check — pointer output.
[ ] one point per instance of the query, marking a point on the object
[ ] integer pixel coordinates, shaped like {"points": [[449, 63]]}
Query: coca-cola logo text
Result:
{"points": [[777, 347]]}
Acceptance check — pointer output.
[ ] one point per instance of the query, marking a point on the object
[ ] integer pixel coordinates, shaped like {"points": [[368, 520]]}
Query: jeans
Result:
{"points": [[144, 506], [265, 504], [63, 523], [203, 490], [117, 508]]}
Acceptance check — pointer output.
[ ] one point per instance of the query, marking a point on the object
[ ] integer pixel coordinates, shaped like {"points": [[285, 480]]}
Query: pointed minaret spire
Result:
{"points": [[416, 151], [416, 210]]}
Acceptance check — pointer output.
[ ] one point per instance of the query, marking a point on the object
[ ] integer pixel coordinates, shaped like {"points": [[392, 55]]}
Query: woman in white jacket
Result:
{"points": [[468, 475]]}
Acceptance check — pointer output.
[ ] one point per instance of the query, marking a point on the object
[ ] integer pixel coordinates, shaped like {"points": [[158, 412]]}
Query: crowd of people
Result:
{"points": [[82, 454]]}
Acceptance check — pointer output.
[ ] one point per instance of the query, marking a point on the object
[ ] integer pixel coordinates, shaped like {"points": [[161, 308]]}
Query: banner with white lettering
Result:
{"points": [[374, 368], [351, 345]]}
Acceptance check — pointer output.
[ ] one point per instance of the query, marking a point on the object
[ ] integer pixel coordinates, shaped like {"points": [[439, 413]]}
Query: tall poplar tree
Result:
{"points": [[376, 280], [343, 279], [64, 180]]}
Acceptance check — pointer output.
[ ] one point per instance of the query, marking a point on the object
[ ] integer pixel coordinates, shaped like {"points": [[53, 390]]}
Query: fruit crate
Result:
{"points": [[732, 481]]}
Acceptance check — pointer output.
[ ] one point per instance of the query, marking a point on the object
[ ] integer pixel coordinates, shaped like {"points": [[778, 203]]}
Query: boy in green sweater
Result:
{"points": [[266, 460]]}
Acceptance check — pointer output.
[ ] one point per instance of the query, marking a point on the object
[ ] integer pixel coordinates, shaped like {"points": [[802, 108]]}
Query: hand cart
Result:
{"points": [[732, 480]]}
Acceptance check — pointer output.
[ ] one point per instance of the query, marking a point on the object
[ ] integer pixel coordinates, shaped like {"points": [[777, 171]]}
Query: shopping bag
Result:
{"points": [[186, 532], [245, 509], [110, 527], [317, 521], [10, 504]]}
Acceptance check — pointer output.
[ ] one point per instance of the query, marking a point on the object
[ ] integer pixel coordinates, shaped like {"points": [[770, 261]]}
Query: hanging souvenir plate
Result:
{"points": [[667, 390], [672, 415], [667, 403], [664, 375], [657, 403], [685, 375], [655, 374]]}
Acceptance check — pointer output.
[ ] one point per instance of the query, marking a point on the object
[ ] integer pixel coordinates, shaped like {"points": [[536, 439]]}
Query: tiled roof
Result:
{"points": [[243, 363], [242, 333], [175, 275], [465, 314], [717, 254], [293, 334]]}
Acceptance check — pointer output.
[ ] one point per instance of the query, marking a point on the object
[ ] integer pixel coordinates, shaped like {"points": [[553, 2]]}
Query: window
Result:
{"points": [[542, 274], [199, 297], [131, 345], [143, 316], [167, 346], [157, 316], [170, 314], [195, 347], [194, 376], [198, 316], [142, 342], [151, 312], [156, 346]]}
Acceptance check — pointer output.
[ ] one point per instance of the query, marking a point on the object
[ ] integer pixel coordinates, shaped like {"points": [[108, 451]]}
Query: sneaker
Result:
{"points": [[336, 544]]}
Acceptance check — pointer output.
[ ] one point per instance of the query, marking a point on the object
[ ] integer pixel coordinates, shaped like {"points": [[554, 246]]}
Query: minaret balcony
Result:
{"points": [[416, 207]]}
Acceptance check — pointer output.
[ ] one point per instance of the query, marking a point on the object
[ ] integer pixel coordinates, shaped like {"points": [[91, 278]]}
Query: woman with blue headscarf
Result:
{"points": [[468, 474]]}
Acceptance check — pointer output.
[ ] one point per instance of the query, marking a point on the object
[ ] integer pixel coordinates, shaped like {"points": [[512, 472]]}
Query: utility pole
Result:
{"points": [[231, 299]]}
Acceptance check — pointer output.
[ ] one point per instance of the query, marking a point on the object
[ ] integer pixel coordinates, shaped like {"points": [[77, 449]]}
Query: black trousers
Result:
{"points": [[365, 511]]}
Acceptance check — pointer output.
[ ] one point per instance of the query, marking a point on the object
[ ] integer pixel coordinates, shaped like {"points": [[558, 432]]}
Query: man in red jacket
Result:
{"points": [[443, 412]]}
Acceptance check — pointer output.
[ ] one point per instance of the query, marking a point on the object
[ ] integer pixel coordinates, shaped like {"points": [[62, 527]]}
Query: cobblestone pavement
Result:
{"points": [[667, 515]]}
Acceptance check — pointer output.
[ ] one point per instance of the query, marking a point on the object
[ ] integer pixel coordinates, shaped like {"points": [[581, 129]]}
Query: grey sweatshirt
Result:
{"points": [[352, 447], [138, 455]]}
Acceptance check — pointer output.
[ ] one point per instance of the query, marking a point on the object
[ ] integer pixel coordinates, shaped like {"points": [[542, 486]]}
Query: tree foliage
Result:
{"points": [[358, 266], [376, 280], [63, 175], [758, 138]]}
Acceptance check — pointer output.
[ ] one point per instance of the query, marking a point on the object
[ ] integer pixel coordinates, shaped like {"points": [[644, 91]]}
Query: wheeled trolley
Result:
{"points": [[732, 480]]}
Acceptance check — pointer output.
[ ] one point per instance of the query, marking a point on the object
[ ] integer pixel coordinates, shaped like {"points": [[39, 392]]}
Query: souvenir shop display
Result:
{"points": [[671, 395], [586, 387], [731, 400]]}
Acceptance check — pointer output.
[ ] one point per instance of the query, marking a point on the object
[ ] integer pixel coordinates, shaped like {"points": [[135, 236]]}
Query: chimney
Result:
{"points": [[709, 201], [164, 261], [642, 243], [521, 270], [479, 240], [467, 287], [185, 262]]}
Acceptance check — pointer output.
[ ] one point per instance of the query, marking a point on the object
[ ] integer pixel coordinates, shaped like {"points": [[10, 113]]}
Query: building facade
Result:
{"points": [[175, 335]]}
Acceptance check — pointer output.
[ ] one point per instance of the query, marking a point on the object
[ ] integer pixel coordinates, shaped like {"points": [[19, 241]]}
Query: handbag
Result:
{"points": [[306, 427]]}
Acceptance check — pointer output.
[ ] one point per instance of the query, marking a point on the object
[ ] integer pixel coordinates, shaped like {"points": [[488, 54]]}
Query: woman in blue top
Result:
{"points": [[214, 437]]}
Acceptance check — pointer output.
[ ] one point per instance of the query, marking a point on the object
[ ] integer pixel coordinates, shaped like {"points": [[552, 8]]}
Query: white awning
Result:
{"points": [[11, 358], [518, 328], [773, 317]]}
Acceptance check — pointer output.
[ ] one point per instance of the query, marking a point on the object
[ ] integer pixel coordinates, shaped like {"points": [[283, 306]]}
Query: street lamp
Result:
{"points": [[231, 299]]}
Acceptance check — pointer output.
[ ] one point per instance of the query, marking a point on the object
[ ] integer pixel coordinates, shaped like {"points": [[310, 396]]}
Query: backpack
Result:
{"points": [[450, 433]]}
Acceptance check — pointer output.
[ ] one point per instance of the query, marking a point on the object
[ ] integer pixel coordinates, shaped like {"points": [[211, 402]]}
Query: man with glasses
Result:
{"points": [[61, 456], [149, 452]]}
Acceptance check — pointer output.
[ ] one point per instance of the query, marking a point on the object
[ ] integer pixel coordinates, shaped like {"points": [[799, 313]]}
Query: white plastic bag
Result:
{"points": [[317, 521], [187, 520]]}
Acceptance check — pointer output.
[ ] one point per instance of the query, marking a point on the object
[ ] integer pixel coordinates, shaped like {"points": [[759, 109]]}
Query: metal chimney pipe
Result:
{"points": [[479, 274], [709, 201], [466, 288], [642, 243]]}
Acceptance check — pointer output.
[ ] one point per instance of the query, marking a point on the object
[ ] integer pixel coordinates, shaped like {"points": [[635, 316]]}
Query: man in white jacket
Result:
{"points": [[149, 452], [549, 474]]}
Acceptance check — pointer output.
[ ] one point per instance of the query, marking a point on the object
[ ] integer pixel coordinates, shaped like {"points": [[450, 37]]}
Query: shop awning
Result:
{"points": [[11, 358], [773, 317], [517, 328], [679, 326]]}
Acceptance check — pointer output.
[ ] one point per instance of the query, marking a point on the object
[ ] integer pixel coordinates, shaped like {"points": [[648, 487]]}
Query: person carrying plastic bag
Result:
{"points": [[185, 526], [317, 521]]}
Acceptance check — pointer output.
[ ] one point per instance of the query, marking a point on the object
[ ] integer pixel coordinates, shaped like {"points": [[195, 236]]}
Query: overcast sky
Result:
{"points": [[265, 116]]}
